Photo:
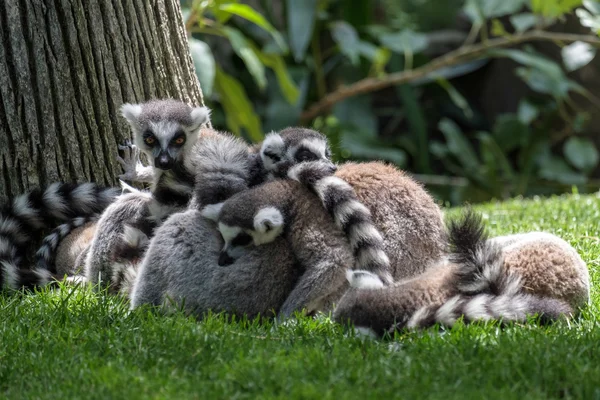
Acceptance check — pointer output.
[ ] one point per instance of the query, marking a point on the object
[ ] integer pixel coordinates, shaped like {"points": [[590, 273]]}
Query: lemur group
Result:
{"points": [[277, 229]]}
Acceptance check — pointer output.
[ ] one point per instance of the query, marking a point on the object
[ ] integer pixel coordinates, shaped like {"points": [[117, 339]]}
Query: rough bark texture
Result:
{"points": [[66, 66]]}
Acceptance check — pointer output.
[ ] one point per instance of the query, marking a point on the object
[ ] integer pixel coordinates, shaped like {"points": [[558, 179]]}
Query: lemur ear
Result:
{"points": [[131, 112], [200, 116], [268, 220], [212, 211], [271, 151]]}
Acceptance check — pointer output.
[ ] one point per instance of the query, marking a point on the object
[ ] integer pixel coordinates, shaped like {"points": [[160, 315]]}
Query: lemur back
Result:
{"points": [[507, 278]]}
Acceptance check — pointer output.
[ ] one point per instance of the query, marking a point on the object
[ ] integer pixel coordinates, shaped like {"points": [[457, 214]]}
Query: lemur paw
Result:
{"points": [[130, 161]]}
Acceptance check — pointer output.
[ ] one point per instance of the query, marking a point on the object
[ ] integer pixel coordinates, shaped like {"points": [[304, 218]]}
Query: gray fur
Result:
{"points": [[180, 268], [307, 263], [129, 208]]}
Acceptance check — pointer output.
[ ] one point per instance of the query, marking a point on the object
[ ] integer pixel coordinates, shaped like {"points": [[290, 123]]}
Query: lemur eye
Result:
{"points": [[149, 139], [179, 139], [305, 155], [243, 239]]}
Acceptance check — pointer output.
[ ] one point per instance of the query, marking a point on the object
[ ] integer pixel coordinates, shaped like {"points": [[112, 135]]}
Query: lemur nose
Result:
{"points": [[163, 162], [225, 259]]}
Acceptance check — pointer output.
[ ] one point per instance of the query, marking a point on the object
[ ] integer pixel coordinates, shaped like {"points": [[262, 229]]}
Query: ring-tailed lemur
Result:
{"points": [[508, 278], [410, 221], [31, 213], [308, 264]]}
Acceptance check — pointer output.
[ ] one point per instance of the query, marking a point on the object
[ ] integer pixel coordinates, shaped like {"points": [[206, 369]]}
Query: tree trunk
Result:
{"points": [[66, 66]]}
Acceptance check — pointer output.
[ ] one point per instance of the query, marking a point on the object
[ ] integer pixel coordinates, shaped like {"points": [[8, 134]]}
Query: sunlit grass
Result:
{"points": [[74, 343]]}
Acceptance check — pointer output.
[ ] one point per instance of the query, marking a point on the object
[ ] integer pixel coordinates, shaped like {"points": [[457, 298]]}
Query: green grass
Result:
{"points": [[77, 344]]}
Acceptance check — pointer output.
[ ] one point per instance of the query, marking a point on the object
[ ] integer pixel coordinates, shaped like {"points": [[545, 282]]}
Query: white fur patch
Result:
{"points": [[364, 331], [6, 247], [331, 183], [268, 224], [10, 227], [273, 143], [131, 112], [23, 209], [128, 188], [9, 273], [199, 116], [369, 255], [347, 209], [84, 196], [229, 232], [446, 314], [212, 211], [44, 252], [476, 308], [316, 146], [134, 237], [418, 317], [56, 204], [363, 279]]}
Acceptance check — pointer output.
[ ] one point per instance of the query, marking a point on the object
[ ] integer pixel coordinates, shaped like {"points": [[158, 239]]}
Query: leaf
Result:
{"points": [[593, 6], [405, 41], [300, 23], [527, 112], [577, 55], [589, 20], [457, 98], [581, 153], [481, 10], [542, 75], [243, 49], [510, 133], [237, 107], [554, 8], [458, 145], [556, 169], [496, 154], [523, 22], [451, 72], [358, 113], [204, 62], [498, 28], [347, 39], [277, 64], [248, 13]]}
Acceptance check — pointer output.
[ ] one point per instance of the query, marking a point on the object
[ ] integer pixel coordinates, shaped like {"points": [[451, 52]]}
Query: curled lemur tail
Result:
{"points": [[47, 252], [350, 215], [484, 307], [480, 262], [486, 290], [30, 214]]}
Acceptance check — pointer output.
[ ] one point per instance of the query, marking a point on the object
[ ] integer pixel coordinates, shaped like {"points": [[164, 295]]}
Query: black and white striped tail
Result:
{"points": [[485, 307], [22, 220], [47, 252], [350, 215], [480, 261]]}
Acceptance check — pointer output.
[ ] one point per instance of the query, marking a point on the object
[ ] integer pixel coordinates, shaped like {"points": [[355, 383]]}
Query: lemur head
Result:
{"points": [[249, 218], [164, 130], [280, 151]]}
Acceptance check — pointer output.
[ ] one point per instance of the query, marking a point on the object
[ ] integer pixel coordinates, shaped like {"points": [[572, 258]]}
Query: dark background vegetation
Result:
{"points": [[507, 120]]}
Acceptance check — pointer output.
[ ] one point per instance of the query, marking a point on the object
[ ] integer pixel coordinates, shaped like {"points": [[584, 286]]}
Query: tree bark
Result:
{"points": [[66, 66]]}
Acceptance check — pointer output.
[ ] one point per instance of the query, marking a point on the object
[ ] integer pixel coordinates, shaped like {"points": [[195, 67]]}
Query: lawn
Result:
{"points": [[77, 344]]}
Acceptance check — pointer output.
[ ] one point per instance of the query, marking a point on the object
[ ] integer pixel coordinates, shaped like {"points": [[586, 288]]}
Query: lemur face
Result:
{"points": [[292, 146], [267, 225], [164, 129]]}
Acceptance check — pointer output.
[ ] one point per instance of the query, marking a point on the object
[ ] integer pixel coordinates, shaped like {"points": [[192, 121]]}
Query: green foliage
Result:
{"points": [[261, 66], [76, 343]]}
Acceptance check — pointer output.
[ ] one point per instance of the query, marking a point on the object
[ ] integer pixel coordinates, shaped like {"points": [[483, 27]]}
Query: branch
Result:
{"points": [[458, 56]]}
